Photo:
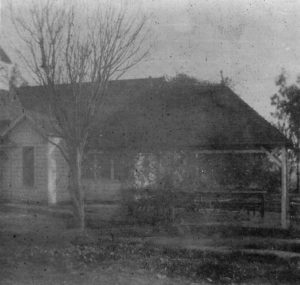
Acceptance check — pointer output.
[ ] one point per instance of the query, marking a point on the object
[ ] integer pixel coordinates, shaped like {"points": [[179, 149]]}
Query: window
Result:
{"points": [[104, 165], [28, 166]]}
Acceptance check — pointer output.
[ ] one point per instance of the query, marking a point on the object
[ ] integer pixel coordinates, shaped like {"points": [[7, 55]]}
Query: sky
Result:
{"points": [[250, 41]]}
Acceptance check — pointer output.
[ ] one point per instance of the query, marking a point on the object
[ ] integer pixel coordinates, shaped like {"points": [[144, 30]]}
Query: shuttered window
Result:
{"points": [[28, 166]]}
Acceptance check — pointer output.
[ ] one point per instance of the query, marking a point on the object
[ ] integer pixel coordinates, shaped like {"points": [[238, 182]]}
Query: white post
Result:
{"points": [[284, 190], [52, 171]]}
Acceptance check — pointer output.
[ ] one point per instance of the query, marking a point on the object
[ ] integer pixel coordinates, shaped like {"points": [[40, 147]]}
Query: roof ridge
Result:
{"points": [[110, 81]]}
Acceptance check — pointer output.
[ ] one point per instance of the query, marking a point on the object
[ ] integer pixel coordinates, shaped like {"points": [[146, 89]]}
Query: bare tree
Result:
{"points": [[65, 47]]}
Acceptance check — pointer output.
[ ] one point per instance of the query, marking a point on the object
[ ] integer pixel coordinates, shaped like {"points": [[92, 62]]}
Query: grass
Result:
{"points": [[38, 249]]}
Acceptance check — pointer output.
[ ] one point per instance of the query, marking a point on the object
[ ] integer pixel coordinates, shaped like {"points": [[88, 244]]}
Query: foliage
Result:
{"points": [[183, 81], [152, 206], [287, 104], [226, 81], [189, 171], [287, 113]]}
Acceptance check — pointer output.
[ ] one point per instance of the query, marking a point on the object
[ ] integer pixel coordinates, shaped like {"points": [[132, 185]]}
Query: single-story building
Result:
{"points": [[147, 130]]}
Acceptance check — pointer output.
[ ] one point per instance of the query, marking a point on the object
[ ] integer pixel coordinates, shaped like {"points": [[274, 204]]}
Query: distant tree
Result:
{"points": [[182, 82], [12, 76], [65, 45], [16, 78], [287, 104]]}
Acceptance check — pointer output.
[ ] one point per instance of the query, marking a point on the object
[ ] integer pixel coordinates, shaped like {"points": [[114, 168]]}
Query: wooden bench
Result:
{"points": [[226, 200], [150, 207]]}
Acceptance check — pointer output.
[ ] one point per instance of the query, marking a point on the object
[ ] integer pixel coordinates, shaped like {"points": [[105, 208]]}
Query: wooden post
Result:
{"points": [[284, 190]]}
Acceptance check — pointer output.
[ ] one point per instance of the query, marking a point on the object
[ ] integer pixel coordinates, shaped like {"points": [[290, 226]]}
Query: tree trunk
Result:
{"points": [[76, 189], [298, 169]]}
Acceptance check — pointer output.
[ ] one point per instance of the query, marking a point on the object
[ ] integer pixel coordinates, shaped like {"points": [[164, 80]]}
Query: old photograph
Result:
{"points": [[149, 142]]}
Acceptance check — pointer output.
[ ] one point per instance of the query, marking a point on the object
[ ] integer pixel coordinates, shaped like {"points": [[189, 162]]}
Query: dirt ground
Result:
{"points": [[36, 249], [39, 249]]}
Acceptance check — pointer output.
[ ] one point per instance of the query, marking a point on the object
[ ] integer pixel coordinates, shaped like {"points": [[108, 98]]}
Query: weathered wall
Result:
{"points": [[24, 135]]}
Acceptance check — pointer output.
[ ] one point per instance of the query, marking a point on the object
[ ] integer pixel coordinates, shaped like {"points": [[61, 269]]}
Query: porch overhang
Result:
{"points": [[269, 150]]}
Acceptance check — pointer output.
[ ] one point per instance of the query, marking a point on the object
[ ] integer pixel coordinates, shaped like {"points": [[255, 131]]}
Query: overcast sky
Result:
{"points": [[249, 40]]}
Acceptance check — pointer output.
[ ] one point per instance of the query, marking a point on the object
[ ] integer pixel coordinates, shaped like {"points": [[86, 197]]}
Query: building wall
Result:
{"points": [[13, 187], [24, 135], [185, 171]]}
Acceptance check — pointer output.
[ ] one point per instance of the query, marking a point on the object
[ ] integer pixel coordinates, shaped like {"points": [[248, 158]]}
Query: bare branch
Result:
{"points": [[74, 56]]}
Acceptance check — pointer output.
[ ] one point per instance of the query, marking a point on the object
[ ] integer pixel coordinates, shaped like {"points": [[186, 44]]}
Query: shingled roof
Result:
{"points": [[143, 114]]}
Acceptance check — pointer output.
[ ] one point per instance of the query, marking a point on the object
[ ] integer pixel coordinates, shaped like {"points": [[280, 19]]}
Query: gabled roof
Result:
{"points": [[143, 114], [4, 141], [35, 122], [4, 57]]}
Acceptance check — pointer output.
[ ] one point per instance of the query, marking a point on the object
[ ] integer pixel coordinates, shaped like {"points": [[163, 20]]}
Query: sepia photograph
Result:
{"points": [[149, 142]]}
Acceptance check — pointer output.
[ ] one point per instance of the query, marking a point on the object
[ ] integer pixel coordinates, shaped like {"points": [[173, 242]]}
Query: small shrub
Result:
{"points": [[149, 206]]}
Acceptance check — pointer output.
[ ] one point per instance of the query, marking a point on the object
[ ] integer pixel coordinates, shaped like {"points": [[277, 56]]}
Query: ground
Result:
{"points": [[40, 249], [37, 249]]}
